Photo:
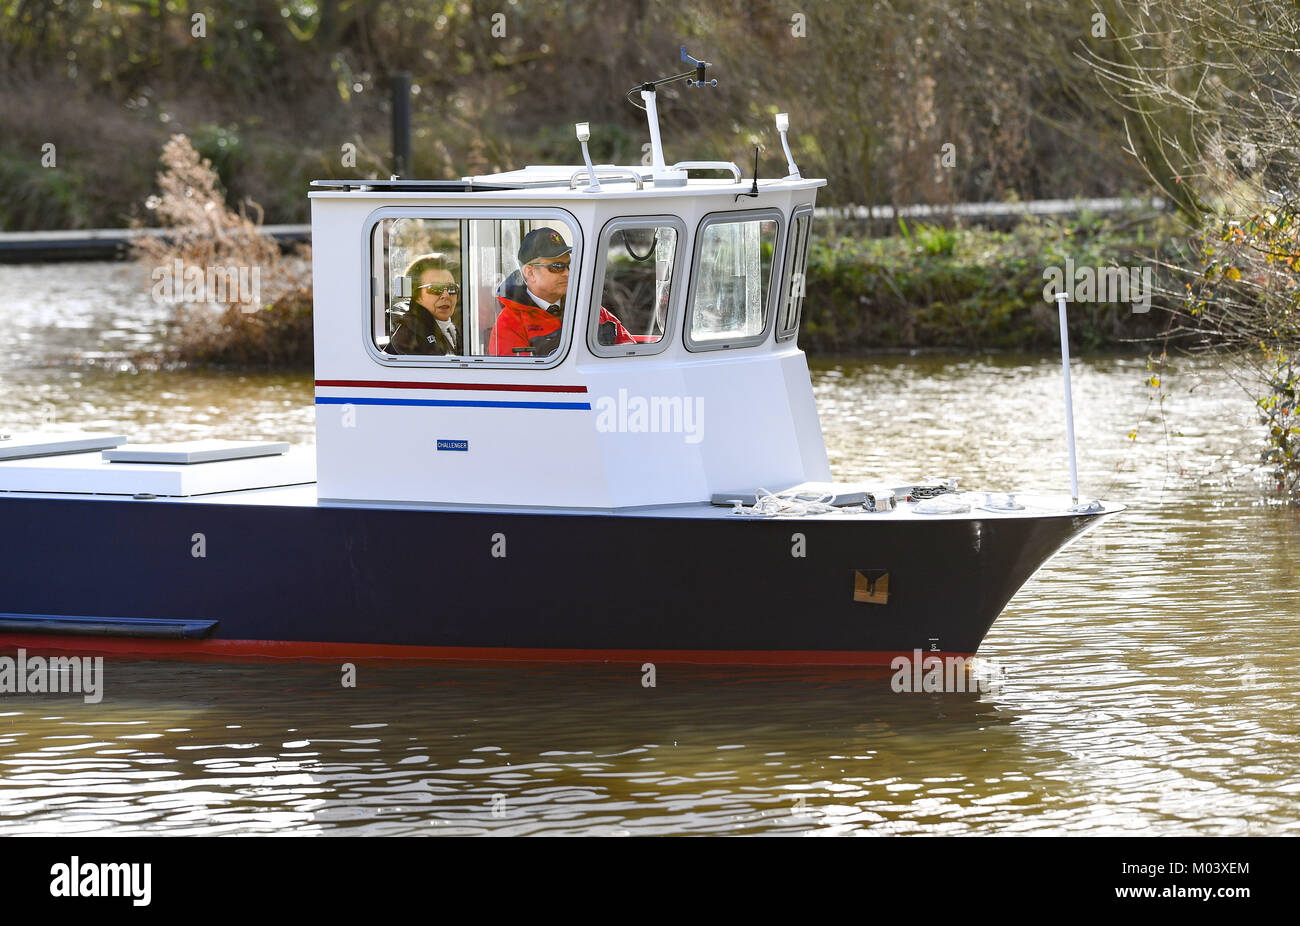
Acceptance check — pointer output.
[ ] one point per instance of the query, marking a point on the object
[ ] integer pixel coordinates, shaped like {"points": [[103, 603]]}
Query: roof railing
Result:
{"points": [[605, 173], [708, 165]]}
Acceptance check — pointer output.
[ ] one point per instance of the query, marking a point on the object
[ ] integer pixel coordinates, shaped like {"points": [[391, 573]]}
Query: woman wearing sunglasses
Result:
{"points": [[424, 323]]}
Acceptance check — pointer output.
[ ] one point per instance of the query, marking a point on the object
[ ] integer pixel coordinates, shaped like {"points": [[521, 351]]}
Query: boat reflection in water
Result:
{"points": [[216, 747]]}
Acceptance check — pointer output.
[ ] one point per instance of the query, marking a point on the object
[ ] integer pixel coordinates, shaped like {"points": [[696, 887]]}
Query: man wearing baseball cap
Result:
{"points": [[532, 301]]}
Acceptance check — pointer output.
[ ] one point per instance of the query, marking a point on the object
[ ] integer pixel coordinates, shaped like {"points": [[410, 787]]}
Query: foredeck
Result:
{"points": [[306, 496]]}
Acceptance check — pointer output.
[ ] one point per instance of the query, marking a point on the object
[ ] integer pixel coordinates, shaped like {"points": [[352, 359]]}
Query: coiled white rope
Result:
{"points": [[769, 504], [943, 504]]}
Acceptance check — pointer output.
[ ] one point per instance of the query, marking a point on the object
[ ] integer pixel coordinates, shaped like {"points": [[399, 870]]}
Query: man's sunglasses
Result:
{"points": [[439, 288], [556, 267]]}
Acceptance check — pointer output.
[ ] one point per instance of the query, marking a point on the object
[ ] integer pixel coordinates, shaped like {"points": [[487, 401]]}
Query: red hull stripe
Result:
{"points": [[467, 387], [281, 649]]}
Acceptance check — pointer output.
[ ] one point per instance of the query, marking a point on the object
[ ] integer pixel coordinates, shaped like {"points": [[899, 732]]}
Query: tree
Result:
{"points": [[1210, 88]]}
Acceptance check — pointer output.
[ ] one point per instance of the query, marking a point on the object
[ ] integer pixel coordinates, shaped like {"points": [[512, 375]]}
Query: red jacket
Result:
{"points": [[521, 320]]}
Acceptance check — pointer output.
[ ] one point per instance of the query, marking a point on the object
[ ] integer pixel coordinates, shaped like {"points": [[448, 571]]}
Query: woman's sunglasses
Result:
{"points": [[439, 288]]}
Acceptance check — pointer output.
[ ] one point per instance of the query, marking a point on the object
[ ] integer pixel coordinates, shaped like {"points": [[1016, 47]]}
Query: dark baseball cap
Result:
{"points": [[542, 243]]}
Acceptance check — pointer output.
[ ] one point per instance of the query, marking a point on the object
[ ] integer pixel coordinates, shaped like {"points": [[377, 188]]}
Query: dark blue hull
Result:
{"points": [[334, 581]]}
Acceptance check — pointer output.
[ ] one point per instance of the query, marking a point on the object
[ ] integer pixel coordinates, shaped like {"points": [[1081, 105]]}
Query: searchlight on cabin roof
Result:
{"points": [[583, 131], [783, 126]]}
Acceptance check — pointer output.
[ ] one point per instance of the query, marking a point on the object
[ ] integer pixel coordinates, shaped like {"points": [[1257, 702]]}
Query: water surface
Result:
{"points": [[1142, 682]]}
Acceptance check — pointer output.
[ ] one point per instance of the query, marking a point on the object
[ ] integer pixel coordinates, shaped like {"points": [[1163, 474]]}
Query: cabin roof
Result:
{"points": [[552, 182]]}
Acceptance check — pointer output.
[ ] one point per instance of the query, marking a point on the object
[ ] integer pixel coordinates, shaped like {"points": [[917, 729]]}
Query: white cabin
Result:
{"points": [[711, 395]]}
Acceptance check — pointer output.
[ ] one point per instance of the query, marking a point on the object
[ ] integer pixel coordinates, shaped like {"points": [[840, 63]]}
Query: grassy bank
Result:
{"points": [[975, 289]]}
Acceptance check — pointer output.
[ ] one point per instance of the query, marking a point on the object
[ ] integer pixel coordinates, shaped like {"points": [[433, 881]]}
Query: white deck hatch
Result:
{"points": [[91, 474], [196, 451], [28, 444]]}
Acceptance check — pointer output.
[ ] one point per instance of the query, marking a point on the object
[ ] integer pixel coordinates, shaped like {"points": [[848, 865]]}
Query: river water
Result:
{"points": [[1142, 682]]}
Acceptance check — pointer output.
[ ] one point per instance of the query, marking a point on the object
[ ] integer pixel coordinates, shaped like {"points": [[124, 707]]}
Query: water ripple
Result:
{"points": [[1141, 682]]}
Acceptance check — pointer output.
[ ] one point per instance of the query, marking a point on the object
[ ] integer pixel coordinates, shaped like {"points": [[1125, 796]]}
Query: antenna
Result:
{"points": [[753, 190]]}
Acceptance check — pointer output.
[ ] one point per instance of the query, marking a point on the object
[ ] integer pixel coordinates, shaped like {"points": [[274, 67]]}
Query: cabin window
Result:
{"points": [[453, 288], [634, 280], [796, 269], [731, 290]]}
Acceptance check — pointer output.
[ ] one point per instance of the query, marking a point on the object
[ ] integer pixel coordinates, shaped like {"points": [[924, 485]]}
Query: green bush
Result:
{"points": [[36, 196], [971, 289]]}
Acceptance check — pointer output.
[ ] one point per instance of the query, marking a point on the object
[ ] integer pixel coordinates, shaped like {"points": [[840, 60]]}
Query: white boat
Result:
{"points": [[606, 448]]}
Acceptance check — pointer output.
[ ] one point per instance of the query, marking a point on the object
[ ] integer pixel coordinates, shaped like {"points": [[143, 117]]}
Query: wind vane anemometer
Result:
{"points": [[665, 176], [699, 66]]}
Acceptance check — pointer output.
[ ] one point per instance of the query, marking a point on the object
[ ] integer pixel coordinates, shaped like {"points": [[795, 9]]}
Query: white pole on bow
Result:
{"points": [[1061, 300]]}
